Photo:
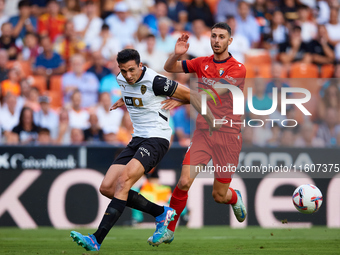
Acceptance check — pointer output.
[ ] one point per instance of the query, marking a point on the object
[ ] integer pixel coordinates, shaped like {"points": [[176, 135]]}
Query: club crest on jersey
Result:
{"points": [[143, 89], [221, 72]]}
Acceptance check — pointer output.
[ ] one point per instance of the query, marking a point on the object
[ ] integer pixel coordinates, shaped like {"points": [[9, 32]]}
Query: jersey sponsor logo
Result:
{"points": [[221, 71], [145, 151], [143, 89], [167, 85], [206, 67], [231, 79], [123, 86], [133, 101]]}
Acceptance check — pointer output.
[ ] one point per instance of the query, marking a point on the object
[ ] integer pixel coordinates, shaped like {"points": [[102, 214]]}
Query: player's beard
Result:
{"points": [[220, 50]]}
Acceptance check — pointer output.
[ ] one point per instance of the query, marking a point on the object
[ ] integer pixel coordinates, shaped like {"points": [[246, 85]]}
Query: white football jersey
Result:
{"points": [[143, 101]]}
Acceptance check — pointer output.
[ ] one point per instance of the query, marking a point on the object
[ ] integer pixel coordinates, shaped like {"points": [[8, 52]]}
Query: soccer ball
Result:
{"points": [[307, 199]]}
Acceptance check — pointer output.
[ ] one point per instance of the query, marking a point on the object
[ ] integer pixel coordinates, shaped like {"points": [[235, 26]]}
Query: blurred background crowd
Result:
{"points": [[58, 68]]}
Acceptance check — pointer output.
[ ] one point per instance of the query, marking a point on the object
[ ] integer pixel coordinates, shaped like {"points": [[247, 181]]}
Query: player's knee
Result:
{"points": [[218, 197], [106, 191], [184, 183]]}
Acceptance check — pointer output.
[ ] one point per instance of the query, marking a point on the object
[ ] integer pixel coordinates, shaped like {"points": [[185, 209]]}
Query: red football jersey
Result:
{"points": [[210, 71]]}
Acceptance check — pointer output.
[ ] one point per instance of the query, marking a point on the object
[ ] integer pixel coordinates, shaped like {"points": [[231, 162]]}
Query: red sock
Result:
{"points": [[178, 201], [233, 199]]}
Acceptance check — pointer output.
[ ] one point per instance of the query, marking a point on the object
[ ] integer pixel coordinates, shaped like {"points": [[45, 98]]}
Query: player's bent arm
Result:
{"points": [[173, 65]]}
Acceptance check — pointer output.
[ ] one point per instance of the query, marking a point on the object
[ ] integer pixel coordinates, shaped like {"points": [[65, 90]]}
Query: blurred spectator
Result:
{"points": [[151, 20], [276, 82], [164, 41], [322, 12], [259, 8], [3, 65], [335, 81], [331, 99], [11, 7], [71, 9], [47, 118], [44, 137], [111, 138], [48, 62], [330, 127], [333, 27], [32, 101], [139, 8], [11, 85], [31, 48], [38, 7], [64, 132], [51, 23], [77, 79], [141, 34], [307, 138], [177, 11], [274, 141], [181, 120], [199, 9], [79, 118], [12, 139], [125, 130], [106, 43], [26, 129], [277, 32], [247, 137], [247, 24], [260, 100], [110, 85], [154, 58], [24, 22], [77, 136], [109, 121], [308, 29], [294, 50], [199, 42], [226, 8], [322, 51], [94, 133], [69, 43], [119, 20], [287, 137], [88, 24], [7, 41], [3, 15], [289, 9], [9, 114], [240, 44], [98, 68]]}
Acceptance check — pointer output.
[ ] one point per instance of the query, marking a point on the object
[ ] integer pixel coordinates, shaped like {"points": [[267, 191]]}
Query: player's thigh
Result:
{"points": [[188, 175]]}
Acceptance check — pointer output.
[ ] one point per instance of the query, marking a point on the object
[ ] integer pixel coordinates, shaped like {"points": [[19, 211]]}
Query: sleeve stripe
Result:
{"points": [[185, 67], [173, 91]]}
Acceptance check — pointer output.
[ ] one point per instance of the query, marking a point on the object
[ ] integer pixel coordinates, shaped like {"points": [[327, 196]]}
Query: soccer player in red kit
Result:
{"points": [[224, 145]]}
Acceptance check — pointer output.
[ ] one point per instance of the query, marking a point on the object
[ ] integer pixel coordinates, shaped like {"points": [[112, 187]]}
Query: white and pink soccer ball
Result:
{"points": [[307, 198]]}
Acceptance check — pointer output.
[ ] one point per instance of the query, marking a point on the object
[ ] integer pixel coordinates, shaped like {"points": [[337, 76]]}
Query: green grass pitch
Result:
{"points": [[208, 240]]}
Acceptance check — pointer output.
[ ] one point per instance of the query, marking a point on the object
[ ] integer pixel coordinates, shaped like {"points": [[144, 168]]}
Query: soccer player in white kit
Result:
{"points": [[143, 90]]}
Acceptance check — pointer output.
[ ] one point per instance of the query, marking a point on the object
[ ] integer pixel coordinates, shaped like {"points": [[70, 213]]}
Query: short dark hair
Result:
{"points": [[105, 27], [150, 36], [127, 55], [44, 130], [222, 25], [23, 3]]}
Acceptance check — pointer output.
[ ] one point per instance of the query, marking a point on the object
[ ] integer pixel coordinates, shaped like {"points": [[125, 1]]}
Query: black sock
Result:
{"points": [[137, 201], [112, 214]]}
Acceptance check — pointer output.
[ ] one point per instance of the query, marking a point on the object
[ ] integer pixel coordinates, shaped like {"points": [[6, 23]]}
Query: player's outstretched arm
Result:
{"points": [[119, 103], [173, 65]]}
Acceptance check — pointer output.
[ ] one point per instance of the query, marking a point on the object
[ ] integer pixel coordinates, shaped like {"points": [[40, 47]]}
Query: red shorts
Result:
{"points": [[223, 148]]}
